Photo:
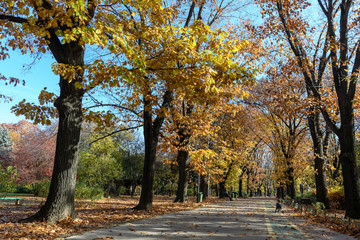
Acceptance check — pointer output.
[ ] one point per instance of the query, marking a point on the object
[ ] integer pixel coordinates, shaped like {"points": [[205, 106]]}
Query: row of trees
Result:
{"points": [[174, 69]]}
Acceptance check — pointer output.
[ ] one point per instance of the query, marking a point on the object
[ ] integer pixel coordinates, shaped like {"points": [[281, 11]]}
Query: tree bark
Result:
{"points": [[240, 187], [280, 192], [60, 201], [349, 166], [290, 186], [151, 136], [183, 163], [319, 159], [222, 189], [204, 186]]}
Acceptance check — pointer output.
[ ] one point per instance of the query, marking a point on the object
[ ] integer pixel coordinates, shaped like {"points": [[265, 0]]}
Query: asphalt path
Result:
{"points": [[250, 218]]}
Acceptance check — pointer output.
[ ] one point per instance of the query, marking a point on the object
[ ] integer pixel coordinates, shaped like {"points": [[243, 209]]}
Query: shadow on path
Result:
{"points": [[251, 218]]}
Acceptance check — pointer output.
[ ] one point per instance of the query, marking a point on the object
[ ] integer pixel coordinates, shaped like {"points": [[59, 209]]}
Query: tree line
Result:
{"points": [[180, 71]]}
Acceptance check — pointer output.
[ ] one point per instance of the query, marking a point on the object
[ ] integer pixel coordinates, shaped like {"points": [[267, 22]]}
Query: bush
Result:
{"points": [[337, 197], [7, 179], [23, 189], [83, 191], [41, 188], [309, 195]]}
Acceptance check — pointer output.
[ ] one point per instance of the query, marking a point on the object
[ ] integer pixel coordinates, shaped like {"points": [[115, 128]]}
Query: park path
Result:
{"points": [[250, 218]]}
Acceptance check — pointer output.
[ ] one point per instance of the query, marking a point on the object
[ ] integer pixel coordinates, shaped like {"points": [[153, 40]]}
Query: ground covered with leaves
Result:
{"points": [[92, 215], [331, 219], [112, 211]]}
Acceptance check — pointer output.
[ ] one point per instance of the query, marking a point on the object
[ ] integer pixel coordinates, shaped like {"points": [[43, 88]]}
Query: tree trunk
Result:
{"points": [[349, 168], [133, 187], [222, 189], [151, 142], [151, 137], [290, 186], [60, 201], [280, 192], [203, 186], [240, 187], [217, 194], [318, 146], [183, 162]]}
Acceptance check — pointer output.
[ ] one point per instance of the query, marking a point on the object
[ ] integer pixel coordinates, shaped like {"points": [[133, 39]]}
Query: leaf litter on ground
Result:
{"points": [[91, 215]]}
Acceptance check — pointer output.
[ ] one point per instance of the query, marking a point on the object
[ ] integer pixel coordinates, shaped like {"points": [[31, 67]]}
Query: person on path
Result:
{"points": [[278, 206], [227, 195]]}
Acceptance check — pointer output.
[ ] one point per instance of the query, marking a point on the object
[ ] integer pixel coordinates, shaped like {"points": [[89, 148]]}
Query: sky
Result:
{"points": [[36, 77]]}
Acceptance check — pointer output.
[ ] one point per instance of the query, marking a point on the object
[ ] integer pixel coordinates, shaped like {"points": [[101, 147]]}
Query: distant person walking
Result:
{"points": [[278, 206]]}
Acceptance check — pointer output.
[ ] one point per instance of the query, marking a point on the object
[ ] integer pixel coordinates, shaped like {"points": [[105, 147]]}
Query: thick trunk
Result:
{"points": [[60, 201], [290, 186], [183, 162], [318, 146], [349, 169]]}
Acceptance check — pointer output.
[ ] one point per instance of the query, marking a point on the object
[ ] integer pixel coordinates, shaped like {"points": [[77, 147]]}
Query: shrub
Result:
{"points": [[337, 197], [23, 189], [7, 179], [83, 191], [309, 195], [41, 188]]}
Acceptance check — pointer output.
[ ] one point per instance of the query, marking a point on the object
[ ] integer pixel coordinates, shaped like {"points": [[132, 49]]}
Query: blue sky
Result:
{"points": [[38, 76]]}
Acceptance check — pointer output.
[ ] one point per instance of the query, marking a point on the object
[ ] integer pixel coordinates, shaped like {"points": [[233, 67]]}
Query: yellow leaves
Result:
{"points": [[68, 72]]}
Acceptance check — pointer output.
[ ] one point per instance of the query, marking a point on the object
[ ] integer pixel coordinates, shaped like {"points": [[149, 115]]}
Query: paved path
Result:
{"points": [[251, 218]]}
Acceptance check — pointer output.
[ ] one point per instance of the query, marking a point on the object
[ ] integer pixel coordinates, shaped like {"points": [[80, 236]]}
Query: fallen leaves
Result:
{"points": [[91, 215]]}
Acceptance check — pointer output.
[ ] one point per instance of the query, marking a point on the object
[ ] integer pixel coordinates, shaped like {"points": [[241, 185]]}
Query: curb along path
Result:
{"points": [[251, 218]]}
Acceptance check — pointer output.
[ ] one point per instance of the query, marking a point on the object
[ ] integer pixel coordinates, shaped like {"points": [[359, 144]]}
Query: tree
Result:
{"points": [[63, 29], [314, 47], [284, 107], [5, 145], [97, 166], [34, 151], [163, 62]]}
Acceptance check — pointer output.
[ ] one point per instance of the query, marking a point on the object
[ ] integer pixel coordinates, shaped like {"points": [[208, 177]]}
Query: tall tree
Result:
{"points": [[162, 63], [63, 29], [314, 47], [285, 109]]}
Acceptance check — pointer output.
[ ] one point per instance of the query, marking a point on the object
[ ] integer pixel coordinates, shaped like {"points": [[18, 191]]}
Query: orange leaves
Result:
{"points": [[38, 114], [92, 215]]}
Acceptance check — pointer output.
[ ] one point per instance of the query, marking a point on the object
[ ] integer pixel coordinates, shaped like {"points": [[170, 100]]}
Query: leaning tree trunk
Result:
{"points": [[318, 146], [183, 162]]}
